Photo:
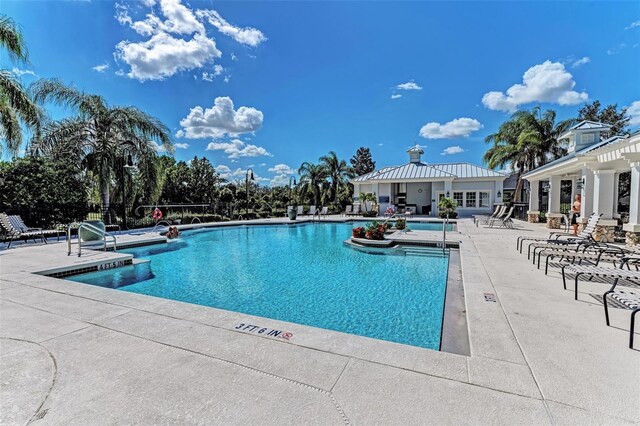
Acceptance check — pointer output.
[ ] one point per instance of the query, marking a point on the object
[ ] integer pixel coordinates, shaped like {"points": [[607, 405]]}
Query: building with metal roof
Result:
{"points": [[416, 186], [605, 171]]}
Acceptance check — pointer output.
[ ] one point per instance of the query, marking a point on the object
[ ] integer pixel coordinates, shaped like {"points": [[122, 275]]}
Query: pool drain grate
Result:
{"points": [[40, 415], [490, 297]]}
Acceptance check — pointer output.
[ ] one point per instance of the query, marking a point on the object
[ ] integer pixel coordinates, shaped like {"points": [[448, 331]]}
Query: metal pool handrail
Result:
{"points": [[158, 224], [93, 229]]}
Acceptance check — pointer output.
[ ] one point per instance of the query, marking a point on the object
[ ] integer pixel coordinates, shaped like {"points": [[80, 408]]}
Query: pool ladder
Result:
{"points": [[93, 229]]}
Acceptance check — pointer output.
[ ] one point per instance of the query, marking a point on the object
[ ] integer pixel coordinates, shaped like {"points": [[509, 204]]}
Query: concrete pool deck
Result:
{"points": [[78, 354]]}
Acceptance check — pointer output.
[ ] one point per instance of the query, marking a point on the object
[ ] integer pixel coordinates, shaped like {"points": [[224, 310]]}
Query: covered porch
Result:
{"points": [[607, 176]]}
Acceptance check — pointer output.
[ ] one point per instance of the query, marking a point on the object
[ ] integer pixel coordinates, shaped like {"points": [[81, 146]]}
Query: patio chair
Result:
{"points": [[300, 210], [356, 210], [602, 272], [555, 234], [324, 211], [629, 299], [478, 217], [312, 210], [501, 214], [592, 255], [584, 237], [348, 210], [505, 222], [19, 224], [13, 233]]}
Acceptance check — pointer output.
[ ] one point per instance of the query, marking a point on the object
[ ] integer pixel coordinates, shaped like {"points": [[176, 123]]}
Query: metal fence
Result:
{"points": [[51, 215]]}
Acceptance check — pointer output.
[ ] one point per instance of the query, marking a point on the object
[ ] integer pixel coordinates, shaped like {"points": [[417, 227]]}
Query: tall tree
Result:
{"points": [[337, 172], [361, 162], [529, 139], [99, 135], [618, 120], [312, 177], [16, 107]]}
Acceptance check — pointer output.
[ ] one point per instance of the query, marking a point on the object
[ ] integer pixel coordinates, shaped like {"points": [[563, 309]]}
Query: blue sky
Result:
{"points": [[273, 84]]}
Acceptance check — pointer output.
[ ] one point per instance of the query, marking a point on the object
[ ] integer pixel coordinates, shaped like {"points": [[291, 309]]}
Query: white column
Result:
{"points": [[603, 193], [554, 194], [574, 190], [586, 206], [634, 202], [534, 195], [356, 190], [616, 182]]}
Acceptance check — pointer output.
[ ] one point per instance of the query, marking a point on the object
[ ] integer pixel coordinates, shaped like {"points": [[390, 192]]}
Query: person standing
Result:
{"points": [[575, 213]]}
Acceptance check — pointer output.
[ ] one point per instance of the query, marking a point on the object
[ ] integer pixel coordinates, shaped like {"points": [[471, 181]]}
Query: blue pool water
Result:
{"points": [[301, 273]]}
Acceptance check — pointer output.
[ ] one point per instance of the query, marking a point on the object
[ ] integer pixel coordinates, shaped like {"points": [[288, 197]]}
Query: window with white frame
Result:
{"points": [[483, 199], [458, 197], [470, 199], [588, 138]]}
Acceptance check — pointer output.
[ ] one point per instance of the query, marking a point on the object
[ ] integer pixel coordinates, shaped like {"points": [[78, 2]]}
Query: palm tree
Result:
{"points": [[15, 105], [337, 171], [526, 141], [100, 135], [312, 178]]}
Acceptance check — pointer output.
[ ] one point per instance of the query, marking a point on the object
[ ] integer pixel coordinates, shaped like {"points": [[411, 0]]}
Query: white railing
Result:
{"points": [[93, 229]]}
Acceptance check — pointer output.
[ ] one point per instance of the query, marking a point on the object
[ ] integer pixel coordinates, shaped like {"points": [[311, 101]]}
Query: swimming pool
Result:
{"points": [[296, 273]]}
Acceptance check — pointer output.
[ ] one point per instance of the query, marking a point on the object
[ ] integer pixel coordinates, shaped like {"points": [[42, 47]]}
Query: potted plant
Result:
{"points": [[401, 224], [447, 208], [293, 213], [368, 199], [358, 232], [375, 231]]}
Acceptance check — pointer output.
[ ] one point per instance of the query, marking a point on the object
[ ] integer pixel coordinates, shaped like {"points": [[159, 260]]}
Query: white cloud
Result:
{"points": [[164, 55], [176, 40], [236, 148], [280, 180], [19, 73], [227, 78], [220, 120], [101, 68], [380, 144], [159, 148], [460, 127], [217, 70], [282, 169], [635, 24], [452, 150], [233, 57], [410, 85], [395, 96], [616, 50], [546, 82], [633, 112], [227, 173], [247, 36], [181, 145], [263, 164], [581, 61]]}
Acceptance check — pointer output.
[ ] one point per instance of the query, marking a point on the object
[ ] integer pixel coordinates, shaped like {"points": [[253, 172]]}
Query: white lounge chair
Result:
{"points": [[324, 211], [348, 210], [13, 233], [505, 222], [499, 216], [522, 238], [312, 210], [356, 210], [599, 271], [583, 238], [485, 217]]}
